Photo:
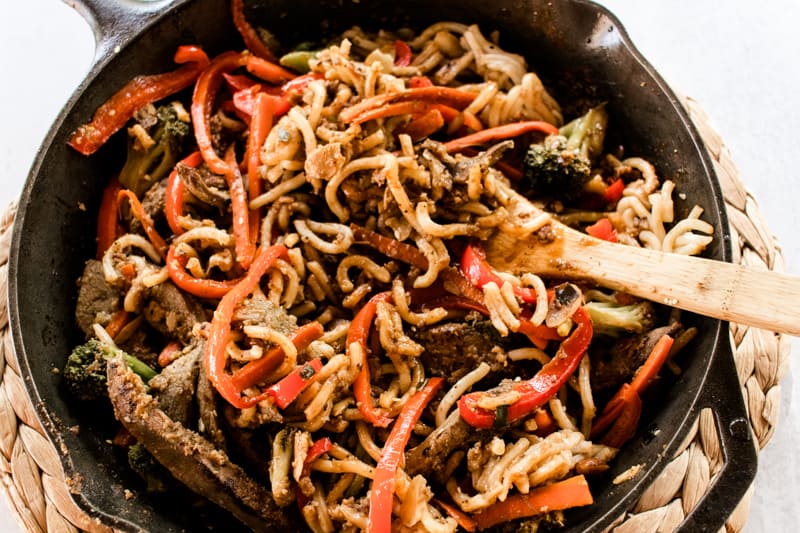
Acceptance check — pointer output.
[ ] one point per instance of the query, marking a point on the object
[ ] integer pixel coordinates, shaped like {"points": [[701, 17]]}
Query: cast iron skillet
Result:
{"points": [[583, 54]]}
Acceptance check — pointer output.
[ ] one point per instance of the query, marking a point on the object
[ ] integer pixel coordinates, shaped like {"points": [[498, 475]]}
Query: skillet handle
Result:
{"points": [[115, 22], [722, 394]]}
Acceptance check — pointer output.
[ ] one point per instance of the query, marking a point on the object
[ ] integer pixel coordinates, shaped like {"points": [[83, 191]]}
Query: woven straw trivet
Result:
{"points": [[33, 481]]}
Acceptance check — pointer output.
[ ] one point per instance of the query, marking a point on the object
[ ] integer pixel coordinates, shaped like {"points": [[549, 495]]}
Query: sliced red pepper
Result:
{"points": [[464, 520], [167, 355], [390, 247], [140, 91], [623, 410], [572, 492], [317, 450], [456, 98], [287, 389], [359, 333], [602, 229], [424, 125], [173, 208], [541, 387], [415, 82], [203, 99], [144, 219], [260, 126], [478, 271], [613, 192], [219, 332], [118, 321], [392, 110], [108, 228], [260, 369], [240, 210], [268, 71], [238, 82], [402, 53], [204, 288], [245, 101], [500, 133], [298, 84], [382, 492], [249, 35]]}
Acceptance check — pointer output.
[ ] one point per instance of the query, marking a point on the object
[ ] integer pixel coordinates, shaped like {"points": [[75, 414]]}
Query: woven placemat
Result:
{"points": [[33, 480]]}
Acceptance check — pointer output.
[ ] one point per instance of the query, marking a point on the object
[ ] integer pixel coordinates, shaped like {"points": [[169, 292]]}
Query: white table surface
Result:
{"points": [[737, 58]]}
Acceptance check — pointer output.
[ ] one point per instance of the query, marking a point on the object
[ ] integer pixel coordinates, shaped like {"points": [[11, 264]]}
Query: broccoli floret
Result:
{"points": [[156, 476], [156, 142], [85, 371], [612, 319], [562, 164]]}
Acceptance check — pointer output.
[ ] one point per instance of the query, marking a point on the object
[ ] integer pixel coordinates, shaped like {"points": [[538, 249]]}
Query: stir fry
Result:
{"points": [[290, 310]]}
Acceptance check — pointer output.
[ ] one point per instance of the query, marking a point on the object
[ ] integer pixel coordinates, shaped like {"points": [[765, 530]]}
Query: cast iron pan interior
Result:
{"points": [[581, 52]]}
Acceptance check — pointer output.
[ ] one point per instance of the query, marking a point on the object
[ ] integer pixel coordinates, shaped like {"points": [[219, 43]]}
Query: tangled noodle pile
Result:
{"points": [[318, 245]]}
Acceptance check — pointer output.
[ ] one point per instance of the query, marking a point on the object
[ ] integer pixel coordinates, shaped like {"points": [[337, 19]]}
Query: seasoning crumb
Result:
{"points": [[627, 475], [75, 429], [81, 206], [128, 495]]}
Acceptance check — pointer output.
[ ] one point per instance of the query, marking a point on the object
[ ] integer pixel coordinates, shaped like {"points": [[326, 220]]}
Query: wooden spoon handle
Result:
{"points": [[762, 299]]}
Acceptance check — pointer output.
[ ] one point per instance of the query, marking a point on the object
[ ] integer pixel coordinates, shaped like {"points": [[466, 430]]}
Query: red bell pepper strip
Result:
{"points": [[204, 288], [390, 247], [258, 370], [456, 98], [423, 125], [260, 126], [478, 271], [541, 387], [249, 35], [241, 213], [140, 91], [464, 520], [359, 333], [219, 332], [613, 192], [402, 54], [622, 411], [167, 355], [173, 208], [286, 390], [602, 229], [572, 492], [298, 84], [544, 422], [499, 133], [392, 110], [144, 219], [108, 228], [382, 492], [205, 92], [238, 82], [415, 82], [244, 102], [118, 321], [268, 71], [317, 450]]}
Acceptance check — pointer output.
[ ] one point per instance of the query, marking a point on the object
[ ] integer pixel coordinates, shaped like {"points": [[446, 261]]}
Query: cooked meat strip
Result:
{"points": [[430, 456], [174, 387], [97, 300], [615, 366], [208, 415], [189, 457], [258, 311], [204, 185], [454, 348], [171, 311]]}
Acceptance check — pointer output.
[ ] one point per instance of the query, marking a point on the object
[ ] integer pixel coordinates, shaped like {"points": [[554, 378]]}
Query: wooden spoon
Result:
{"points": [[762, 299]]}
